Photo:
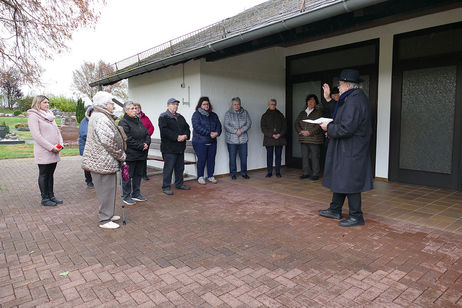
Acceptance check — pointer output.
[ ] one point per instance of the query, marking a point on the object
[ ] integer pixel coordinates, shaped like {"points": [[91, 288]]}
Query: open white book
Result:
{"points": [[319, 120]]}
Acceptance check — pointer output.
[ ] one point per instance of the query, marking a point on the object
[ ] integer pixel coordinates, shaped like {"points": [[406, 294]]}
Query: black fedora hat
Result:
{"points": [[350, 75]]}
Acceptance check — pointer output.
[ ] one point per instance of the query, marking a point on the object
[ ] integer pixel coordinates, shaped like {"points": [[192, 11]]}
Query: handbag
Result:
{"points": [[125, 172]]}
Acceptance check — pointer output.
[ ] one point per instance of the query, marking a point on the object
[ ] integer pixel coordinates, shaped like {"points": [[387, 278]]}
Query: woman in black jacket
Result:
{"points": [[138, 141]]}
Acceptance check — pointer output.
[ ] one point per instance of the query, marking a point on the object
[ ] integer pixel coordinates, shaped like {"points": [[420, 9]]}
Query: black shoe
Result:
{"points": [[90, 185], [352, 221], [146, 178], [57, 201], [233, 177], [330, 214], [268, 175], [245, 176], [48, 202], [278, 175], [184, 187], [305, 176], [167, 192], [315, 177]]}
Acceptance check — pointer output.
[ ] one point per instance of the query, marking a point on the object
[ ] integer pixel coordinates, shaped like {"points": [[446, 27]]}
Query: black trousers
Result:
{"points": [[88, 178], [131, 188], [145, 171], [45, 180], [354, 204], [172, 162]]}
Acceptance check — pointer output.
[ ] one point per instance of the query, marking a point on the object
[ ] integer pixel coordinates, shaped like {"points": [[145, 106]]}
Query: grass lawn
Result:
{"points": [[27, 150], [12, 121]]}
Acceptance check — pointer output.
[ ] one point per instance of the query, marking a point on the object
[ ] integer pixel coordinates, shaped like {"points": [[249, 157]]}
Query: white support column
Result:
{"points": [[384, 105]]}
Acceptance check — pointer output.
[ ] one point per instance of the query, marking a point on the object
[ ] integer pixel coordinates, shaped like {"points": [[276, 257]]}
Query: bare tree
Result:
{"points": [[10, 83], [32, 30], [89, 72]]}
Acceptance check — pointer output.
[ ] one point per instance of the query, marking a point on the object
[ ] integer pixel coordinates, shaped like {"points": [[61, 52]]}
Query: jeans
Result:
{"points": [[311, 152], [205, 155], [354, 204], [233, 149], [269, 158], [45, 180], [172, 162], [131, 188]]}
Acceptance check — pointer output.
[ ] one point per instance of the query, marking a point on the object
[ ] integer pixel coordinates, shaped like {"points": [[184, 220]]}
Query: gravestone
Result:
{"points": [[2, 132], [69, 129]]}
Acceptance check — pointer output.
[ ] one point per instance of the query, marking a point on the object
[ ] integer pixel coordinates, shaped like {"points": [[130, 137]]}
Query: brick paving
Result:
{"points": [[243, 243]]}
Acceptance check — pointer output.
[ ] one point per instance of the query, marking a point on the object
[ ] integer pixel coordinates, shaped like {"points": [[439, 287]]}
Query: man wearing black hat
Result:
{"points": [[174, 131], [330, 100], [348, 166]]}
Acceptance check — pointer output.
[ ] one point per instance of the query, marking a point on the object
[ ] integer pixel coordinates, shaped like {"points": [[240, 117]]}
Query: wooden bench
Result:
{"points": [[155, 145]]}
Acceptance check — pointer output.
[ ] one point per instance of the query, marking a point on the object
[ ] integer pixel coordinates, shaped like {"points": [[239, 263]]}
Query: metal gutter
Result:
{"points": [[335, 9]]}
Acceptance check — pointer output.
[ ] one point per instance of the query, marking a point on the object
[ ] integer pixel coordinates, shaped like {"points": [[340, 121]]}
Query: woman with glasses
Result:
{"points": [[138, 141], [311, 137], [47, 145], [103, 155], [206, 129]]}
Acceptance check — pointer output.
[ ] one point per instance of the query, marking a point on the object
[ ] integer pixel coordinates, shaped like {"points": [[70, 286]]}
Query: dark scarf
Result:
{"points": [[341, 99]]}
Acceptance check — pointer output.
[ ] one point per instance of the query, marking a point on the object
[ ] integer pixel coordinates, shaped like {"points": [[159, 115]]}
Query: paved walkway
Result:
{"points": [[243, 243]]}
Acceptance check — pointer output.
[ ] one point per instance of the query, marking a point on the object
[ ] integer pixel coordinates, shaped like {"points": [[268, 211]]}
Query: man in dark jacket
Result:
{"points": [[174, 131], [138, 141], [348, 166], [273, 126]]}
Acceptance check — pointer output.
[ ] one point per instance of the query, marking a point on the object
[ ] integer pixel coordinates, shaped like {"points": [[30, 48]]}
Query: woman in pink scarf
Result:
{"points": [[47, 145]]}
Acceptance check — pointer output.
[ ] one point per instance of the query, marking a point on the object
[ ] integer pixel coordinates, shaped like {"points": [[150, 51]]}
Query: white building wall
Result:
{"points": [[152, 90], [385, 34], [254, 77]]}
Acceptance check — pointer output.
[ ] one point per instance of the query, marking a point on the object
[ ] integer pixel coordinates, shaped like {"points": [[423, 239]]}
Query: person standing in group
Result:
{"points": [[174, 131], [273, 125], [330, 100], [83, 129], [328, 106], [237, 123], [348, 164], [206, 129], [138, 141], [148, 124], [47, 145], [103, 155], [310, 137]]}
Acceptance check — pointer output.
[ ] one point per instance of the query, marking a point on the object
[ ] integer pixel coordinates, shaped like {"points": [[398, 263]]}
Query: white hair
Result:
{"points": [[353, 85], [102, 98]]}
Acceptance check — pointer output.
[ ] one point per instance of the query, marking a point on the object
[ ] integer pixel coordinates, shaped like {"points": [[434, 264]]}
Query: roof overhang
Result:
{"points": [[329, 10]]}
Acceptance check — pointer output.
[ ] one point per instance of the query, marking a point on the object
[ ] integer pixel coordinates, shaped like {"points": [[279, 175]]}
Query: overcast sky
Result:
{"points": [[128, 27]]}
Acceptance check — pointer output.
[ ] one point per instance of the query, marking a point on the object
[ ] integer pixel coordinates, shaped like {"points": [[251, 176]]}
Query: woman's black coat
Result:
{"points": [[137, 136]]}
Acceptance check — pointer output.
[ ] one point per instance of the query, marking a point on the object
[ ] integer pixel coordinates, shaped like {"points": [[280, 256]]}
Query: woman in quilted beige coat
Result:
{"points": [[104, 152]]}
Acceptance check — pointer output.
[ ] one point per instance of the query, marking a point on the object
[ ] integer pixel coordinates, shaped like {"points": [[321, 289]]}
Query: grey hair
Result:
{"points": [[237, 99], [127, 104], [353, 85]]}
